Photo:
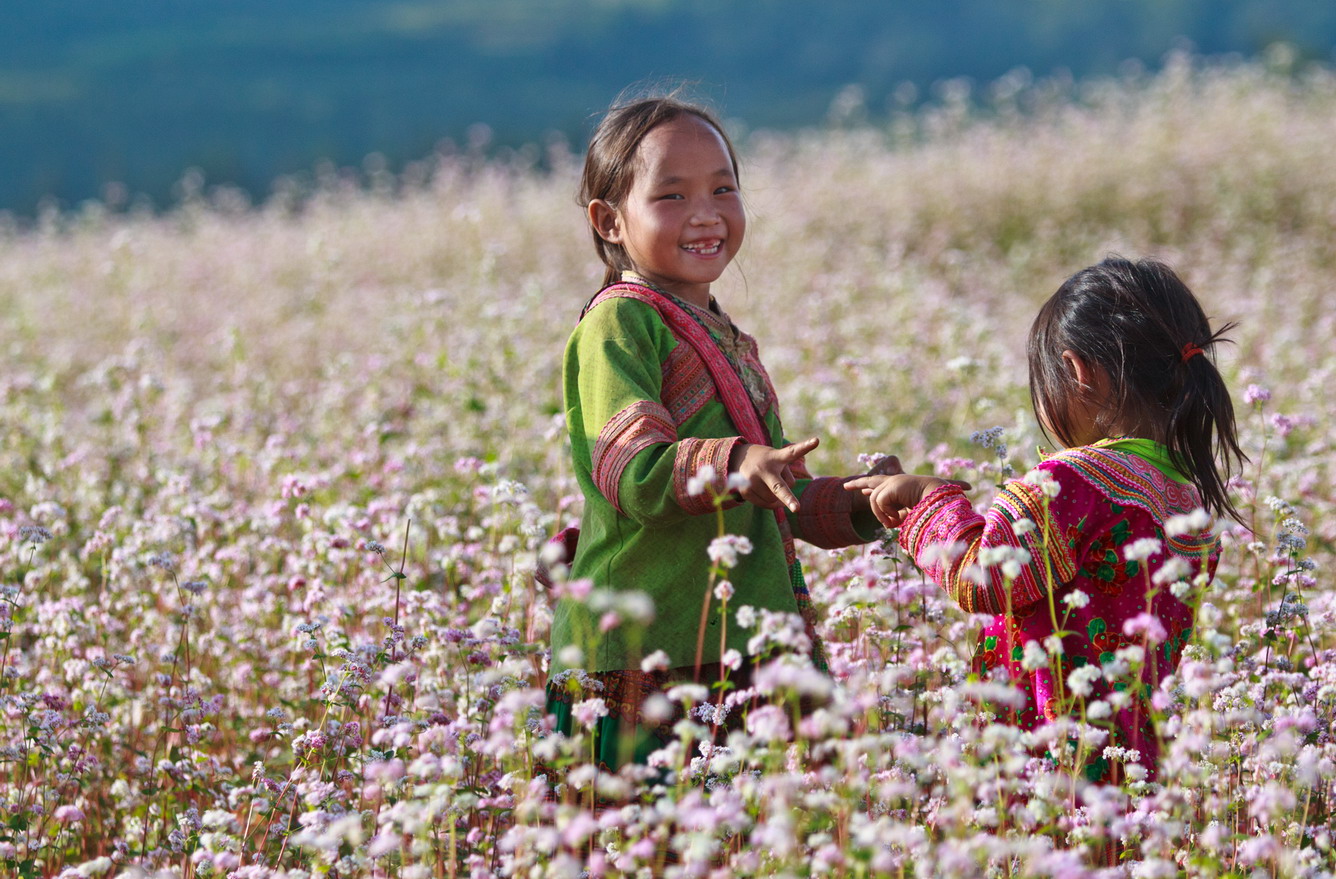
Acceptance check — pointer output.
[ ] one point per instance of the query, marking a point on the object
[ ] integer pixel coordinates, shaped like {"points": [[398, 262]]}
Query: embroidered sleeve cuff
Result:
{"points": [[700, 472], [918, 529], [825, 514]]}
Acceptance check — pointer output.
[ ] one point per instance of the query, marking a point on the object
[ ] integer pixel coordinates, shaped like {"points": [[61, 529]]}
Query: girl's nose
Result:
{"points": [[705, 214]]}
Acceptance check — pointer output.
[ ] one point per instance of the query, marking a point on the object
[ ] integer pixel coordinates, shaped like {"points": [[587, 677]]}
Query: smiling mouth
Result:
{"points": [[704, 248]]}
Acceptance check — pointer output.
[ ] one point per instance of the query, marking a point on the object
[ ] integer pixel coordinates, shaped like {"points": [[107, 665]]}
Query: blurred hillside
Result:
{"points": [[136, 91]]}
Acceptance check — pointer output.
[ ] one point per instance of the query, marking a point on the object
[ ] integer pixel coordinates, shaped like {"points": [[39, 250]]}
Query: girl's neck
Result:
{"points": [[696, 294]]}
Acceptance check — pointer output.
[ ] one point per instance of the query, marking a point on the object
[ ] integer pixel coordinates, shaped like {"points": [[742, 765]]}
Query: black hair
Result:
{"points": [[1140, 324], [609, 166]]}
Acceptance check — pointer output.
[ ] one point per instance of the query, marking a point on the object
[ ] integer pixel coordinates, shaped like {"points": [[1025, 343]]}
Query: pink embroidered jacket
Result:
{"points": [[1107, 499]]}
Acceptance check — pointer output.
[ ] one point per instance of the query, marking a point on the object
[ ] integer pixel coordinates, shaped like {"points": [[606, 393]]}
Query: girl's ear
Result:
{"points": [[605, 219], [1078, 368], [1090, 377]]}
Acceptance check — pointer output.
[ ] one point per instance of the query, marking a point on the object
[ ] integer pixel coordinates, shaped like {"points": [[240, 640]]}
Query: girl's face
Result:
{"points": [[682, 221]]}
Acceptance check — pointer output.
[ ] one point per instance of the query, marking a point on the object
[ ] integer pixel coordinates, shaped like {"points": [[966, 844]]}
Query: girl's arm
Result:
{"points": [[833, 516], [988, 563]]}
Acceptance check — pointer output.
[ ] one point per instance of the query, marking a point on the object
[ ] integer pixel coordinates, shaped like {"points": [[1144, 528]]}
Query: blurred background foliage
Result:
{"points": [[134, 92]]}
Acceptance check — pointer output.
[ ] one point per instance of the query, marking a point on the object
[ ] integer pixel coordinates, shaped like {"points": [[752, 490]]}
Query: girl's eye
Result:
{"points": [[725, 190], [671, 195]]}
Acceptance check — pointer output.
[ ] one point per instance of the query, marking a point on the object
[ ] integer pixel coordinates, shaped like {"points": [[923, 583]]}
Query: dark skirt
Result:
{"points": [[623, 736]]}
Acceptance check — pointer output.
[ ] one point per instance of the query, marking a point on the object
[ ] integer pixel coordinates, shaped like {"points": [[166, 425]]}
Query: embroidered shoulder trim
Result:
{"points": [[1132, 481], [687, 385], [642, 424]]}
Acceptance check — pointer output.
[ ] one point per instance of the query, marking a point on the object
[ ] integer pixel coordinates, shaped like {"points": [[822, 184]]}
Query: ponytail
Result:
{"points": [[1201, 435]]}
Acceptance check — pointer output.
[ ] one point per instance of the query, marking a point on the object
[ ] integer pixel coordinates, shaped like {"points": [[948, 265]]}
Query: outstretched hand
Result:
{"points": [[893, 496], [766, 473]]}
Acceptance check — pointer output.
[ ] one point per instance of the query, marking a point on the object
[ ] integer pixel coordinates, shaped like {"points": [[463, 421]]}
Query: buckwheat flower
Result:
{"points": [[1256, 394], [1290, 542], [723, 591], [34, 534], [376, 547], [1053, 644], [1179, 589], [163, 560], [274, 713], [1098, 710], [1278, 506], [1294, 526], [1173, 569], [724, 551], [195, 587], [657, 709], [736, 482], [987, 438], [1033, 656], [1148, 625], [609, 621], [1022, 527], [68, 814], [468, 465], [708, 712], [704, 478], [571, 655], [636, 606], [1188, 523], [1044, 481], [688, 693], [588, 711], [745, 616], [656, 661], [1076, 599], [96, 867], [731, 660], [1081, 680], [577, 590], [1142, 549], [769, 723]]}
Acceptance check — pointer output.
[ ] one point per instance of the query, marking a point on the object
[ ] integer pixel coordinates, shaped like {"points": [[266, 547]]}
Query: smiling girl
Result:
{"points": [[665, 396]]}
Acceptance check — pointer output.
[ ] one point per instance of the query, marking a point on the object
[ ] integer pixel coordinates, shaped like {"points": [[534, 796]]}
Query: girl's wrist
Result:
{"points": [[736, 455]]}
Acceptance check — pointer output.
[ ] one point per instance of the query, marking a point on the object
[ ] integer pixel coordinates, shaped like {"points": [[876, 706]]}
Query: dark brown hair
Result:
{"points": [[1140, 323], [609, 166]]}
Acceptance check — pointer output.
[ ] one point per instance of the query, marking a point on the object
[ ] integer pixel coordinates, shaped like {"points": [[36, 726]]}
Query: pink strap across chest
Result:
{"points": [[732, 394]]}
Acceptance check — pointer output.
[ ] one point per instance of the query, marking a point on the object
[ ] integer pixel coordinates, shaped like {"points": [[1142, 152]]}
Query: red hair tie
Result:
{"points": [[1190, 350]]}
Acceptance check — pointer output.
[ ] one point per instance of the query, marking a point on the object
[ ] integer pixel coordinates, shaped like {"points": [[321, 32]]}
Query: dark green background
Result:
{"points": [[137, 91]]}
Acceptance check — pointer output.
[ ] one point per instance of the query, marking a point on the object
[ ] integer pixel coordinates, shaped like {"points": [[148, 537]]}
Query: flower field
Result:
{"points": [[274, 480]]}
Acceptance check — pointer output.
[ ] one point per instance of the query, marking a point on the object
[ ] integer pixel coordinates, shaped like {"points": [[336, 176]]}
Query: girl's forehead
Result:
{"points": [[686, 144]]}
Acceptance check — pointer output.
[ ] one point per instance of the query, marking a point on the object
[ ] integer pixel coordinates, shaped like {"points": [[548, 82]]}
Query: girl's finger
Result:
{"points": [[784, 495]]}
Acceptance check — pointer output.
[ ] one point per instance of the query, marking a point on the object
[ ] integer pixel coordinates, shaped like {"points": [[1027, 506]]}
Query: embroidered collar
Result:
{"points": [[713, 319], [1153, 453]]}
